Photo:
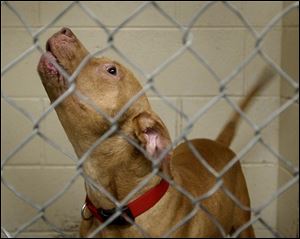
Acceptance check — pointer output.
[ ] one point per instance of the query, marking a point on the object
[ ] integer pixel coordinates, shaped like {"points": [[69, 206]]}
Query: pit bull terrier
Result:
{"points": [[118, 166]]}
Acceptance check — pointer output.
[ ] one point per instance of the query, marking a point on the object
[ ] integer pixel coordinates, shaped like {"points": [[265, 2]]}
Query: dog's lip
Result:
{"points": [[51, 57], [49, 60]]}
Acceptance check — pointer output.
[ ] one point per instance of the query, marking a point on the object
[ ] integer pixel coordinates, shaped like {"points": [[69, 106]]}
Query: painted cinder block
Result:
{"points": [[40, 184], [22, 79], [15, 128], [28, 10], [109, 13], [217, 14]]}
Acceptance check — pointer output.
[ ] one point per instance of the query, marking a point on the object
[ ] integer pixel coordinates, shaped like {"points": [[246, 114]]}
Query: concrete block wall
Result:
{"points": [[39, 171], [288, 217]]}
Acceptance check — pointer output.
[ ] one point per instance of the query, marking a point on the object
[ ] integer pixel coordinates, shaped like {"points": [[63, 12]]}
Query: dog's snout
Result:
{"points": [[55, 38], [66, 31]]}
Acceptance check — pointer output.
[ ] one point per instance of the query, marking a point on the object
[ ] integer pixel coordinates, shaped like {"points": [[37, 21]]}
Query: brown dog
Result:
{"points": [[119, 167]]}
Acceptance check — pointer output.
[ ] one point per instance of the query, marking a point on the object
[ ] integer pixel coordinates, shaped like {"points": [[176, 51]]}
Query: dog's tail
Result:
{"points": [[228, 132]]}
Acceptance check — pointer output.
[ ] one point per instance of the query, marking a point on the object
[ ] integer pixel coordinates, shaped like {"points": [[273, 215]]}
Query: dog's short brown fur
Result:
{"points": [[119, 167]]}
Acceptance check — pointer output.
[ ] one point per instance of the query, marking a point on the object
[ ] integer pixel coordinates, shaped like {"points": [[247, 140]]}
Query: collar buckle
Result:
{"points": [[82, 212]]}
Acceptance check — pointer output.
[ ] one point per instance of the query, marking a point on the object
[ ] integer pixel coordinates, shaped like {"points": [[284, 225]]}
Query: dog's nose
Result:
{"points": [[66, 31]]}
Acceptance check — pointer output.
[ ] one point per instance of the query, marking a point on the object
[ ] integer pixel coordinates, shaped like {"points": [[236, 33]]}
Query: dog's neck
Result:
{"points": [[115, 164], [118, 167]]}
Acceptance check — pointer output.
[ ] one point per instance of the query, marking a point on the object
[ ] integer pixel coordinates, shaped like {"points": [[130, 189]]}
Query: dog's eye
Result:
{"points": [[112, 70]]}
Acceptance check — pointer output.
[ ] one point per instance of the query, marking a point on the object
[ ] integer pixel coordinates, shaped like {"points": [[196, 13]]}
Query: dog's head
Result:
{"points": [[106, 83]]}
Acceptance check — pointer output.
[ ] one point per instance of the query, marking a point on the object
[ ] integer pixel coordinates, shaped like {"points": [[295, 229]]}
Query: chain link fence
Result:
{"points": [[187, 39]]}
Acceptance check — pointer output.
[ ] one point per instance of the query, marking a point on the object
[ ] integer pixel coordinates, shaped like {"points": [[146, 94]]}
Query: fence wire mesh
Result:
{"points": [[187, 39]]}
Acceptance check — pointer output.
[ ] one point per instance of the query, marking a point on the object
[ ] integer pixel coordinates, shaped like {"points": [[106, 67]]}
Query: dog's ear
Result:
{"points": [[152, 133]]}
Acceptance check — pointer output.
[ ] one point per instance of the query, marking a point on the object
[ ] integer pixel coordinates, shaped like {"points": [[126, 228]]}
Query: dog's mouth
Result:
{"points": [[52, 62], [63, 54], [51, 71]]}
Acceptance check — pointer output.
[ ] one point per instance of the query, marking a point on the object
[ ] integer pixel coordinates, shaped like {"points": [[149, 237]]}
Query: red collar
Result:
{"points": [[132, 209]]}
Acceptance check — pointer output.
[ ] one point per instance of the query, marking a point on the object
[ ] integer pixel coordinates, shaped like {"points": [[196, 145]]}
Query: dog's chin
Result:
{"points": [[53, 81], [46, 67]]}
